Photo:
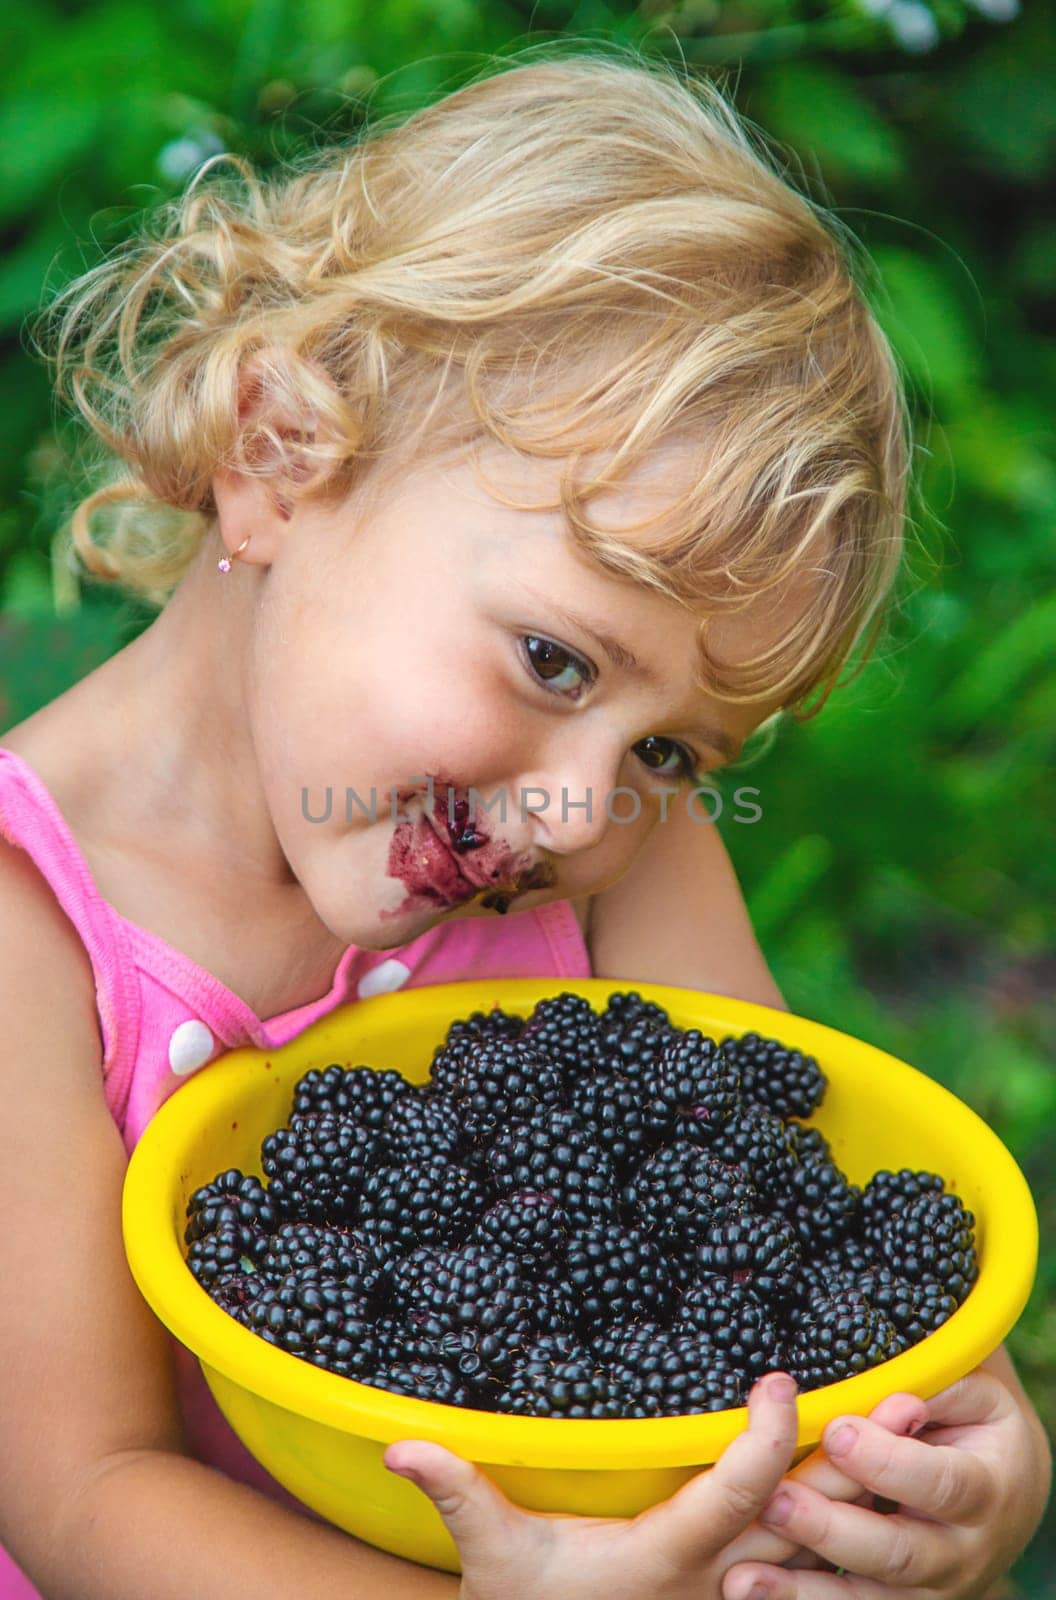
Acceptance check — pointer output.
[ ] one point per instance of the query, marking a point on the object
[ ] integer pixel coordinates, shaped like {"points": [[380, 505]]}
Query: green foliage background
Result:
{"points": [[903, 877]]}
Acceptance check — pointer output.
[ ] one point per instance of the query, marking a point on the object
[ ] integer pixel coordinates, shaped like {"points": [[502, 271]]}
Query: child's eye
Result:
{"points": [[561, 671], [668, 758]]}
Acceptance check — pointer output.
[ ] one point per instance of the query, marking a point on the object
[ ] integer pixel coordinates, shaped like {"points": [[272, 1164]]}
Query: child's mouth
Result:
{"points": [[447, 858]]}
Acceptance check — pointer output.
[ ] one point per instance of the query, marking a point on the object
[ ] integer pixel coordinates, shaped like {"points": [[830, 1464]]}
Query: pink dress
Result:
{"points": [[162, 1018]]}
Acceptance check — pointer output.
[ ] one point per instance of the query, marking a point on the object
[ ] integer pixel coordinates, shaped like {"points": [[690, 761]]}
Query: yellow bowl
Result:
{"points": [[323, 1436]]}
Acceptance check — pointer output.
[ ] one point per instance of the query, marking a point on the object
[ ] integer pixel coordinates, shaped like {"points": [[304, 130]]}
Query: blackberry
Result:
{"points": [[500, 1082], [363, 1094], [821, 1205], [762, 1252], [616, 1275], [784, 1080], [931, 1240], [682, 1190], [462, 1041], [232, 1197], [323, 1323], [421, 1125], [552, 1303], [733, 1319], [564, 1029], [692, 1087], [758, 1141], [887, 1192], [317, 1166], [633, 1032], [333, 1255], [556, 1154], [425, 1380], [483, 1027], [808, 1143], [850, 1255], [916, 1309], [925, 1308], [528, 1226], [229, 1250], [457, 1351], [378, 1238], [235, 1294], [435, 1203], [556, 1377], [837, 1268], [472, 1290], [352, 1342], [611, 1107], [626, 1006], [677, 1374], [837, 1337], [615, 1342]]}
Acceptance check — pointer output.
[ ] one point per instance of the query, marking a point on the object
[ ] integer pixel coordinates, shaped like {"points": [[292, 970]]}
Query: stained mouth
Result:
{"points": [[447, 858]]}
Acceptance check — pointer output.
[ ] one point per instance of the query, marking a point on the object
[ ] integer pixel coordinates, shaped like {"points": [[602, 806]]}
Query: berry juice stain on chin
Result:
{"points": [[447, 858]]}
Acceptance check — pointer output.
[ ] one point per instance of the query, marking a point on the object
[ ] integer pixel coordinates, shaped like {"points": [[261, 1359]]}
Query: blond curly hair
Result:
{"points": [[583, 252]]}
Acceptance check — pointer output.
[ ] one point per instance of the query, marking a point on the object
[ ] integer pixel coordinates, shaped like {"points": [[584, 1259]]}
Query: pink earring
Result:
{"points": [[224, 563]]}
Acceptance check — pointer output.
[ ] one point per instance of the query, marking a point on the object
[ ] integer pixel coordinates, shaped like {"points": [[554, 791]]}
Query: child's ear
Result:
{"points": [[293, 428]]}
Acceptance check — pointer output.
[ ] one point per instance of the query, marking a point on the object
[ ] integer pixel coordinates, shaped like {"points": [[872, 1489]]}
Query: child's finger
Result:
{"points": [[906, 1551], [935, 1480], [898, 1414], [477, 1515], [752, 1582], [978, 1398], [717, 1505]]}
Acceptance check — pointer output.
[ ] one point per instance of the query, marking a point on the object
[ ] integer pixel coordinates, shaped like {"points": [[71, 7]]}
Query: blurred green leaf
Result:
{"points": [[40, 656], [42, 136], [789, 883], [1001, 102], [921, 312], [24, 269], [819, 110], [993, 678], [27, 586]]}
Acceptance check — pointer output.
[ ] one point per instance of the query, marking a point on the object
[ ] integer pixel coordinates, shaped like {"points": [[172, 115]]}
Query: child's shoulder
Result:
{"points": [[47, 985], [31, 917], [53, 741], [89, 778]]}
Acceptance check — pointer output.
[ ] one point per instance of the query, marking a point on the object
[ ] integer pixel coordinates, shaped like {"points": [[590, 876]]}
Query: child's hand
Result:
{"points": [[968, 1496], [899, 1414], [671, 1552]]}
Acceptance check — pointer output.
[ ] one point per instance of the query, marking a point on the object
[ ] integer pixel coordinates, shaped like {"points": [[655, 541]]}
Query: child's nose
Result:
{"points": [[571, 805]]}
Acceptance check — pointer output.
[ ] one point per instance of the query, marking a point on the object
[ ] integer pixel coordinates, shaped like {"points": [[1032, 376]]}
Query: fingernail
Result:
{"points": [[758, 1592], [916, 1426], [841, 1441], [785, 1390], [777, 1510], [408, 1473]]}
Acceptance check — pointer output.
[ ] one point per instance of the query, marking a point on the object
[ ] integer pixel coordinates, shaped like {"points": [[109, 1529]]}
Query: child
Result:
{"points": [[546, 448]]}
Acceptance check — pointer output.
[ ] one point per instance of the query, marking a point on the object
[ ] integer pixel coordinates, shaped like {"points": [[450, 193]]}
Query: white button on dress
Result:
{"points": [[383, 978], [190, 1047]]}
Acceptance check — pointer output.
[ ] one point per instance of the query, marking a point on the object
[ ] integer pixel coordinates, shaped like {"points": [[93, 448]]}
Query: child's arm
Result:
{"points": [[678, 916], [96, 1500]]}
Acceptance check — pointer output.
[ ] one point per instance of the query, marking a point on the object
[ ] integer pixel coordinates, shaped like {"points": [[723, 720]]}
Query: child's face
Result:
{"points": [[432, 639]]}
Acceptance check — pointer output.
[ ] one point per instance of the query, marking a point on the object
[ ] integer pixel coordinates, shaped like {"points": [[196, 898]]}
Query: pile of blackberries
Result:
{"points": [[585, 1214]]}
